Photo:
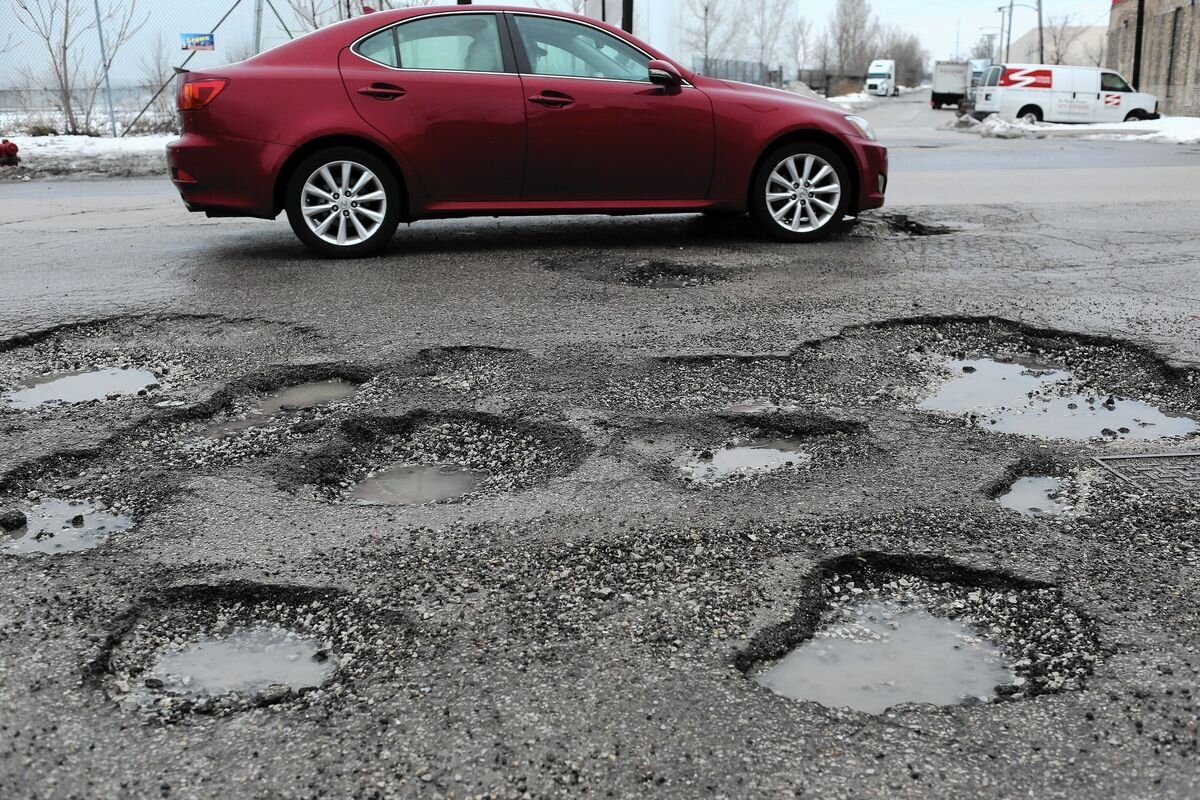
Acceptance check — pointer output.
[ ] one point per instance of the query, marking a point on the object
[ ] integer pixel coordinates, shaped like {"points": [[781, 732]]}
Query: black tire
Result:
{"points": [[391, 210], [1137, 115], [760, 210], [1030, 111]]}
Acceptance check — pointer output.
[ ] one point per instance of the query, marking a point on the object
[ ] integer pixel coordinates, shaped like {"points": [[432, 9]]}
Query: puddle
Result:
{"points": [[414, 484], [883, 656], [61, 526], [1033, 497], [760, 455], [79, 387], [1032, 399], [756, 406], [293, 398], [246, 661]]}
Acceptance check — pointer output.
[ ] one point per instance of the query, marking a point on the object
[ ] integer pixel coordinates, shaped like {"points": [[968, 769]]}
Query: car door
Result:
{"points": [[444, 89], [1114, 98], [598, 129]]}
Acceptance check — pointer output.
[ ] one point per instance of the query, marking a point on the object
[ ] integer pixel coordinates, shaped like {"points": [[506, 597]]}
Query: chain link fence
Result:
{"points": [[55, 55]]}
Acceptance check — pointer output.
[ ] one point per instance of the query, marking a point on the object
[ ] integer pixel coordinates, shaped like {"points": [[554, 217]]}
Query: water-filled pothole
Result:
{"points": [[1030, 398], [1034, 497], [759, 405], [80, 387], [261, 661], [292, 398], [64, 526], [226, 648], [756, 456], [883, 630], [439, 457], [415, 484], [878, 655]]}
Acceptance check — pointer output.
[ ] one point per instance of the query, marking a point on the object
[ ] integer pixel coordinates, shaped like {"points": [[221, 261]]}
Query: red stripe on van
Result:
{"points": [[1028, 78]]}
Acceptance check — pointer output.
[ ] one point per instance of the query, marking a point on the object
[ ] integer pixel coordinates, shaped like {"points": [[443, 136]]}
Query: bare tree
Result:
{"points": [[157, 72], [1095, 50], [6, 44], [905, 49], [313, 14], [853, 33], [764, 26], [1061, 33], [797, 41], [714, 26], [574, 6], [60, 26], [983, 48]]}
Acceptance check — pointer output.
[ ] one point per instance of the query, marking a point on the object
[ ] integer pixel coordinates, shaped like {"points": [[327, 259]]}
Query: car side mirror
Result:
{"points": [[663, 73]]}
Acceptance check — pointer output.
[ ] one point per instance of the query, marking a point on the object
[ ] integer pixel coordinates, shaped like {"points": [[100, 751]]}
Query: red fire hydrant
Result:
{"points": [[8, 153]]}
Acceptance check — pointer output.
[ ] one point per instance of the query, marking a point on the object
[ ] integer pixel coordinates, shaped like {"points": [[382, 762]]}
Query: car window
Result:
{"points": [[1112, 82], [559, 47], [456, 42], [993, 76]]}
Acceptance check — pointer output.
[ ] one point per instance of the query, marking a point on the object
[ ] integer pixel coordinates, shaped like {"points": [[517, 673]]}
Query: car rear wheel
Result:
{"points": [[343, 202], [800, 192], [1137, 115]]}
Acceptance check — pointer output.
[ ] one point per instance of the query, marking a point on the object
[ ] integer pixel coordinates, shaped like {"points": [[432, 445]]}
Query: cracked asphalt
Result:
{"points": [[589, 622]]}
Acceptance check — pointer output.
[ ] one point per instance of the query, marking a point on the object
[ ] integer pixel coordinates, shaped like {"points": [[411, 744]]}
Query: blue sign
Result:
{"points": [[198, 41]]}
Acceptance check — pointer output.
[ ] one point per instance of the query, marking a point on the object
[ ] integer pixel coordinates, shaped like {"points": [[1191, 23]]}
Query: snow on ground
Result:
{"points": [[1178, 130], [97, 155], [854, 101]]}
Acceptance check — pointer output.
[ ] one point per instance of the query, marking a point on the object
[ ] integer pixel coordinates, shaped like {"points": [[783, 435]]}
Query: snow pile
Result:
{"points": [[853, 101], [97, 155], [1179, 130]]}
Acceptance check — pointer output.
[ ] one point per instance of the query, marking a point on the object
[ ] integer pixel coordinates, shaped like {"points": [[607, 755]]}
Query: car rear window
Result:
{"points": [[453, 42]]}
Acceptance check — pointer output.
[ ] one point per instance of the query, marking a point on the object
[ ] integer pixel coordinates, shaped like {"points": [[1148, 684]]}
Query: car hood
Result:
{"points": [[781, 97]]}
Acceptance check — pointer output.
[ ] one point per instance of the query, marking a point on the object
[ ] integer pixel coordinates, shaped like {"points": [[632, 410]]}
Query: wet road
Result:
{"points": [[588, 620]]}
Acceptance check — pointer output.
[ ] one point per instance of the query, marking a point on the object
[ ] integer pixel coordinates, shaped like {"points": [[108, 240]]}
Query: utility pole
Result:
{"points": [[1008, 41], [627, 16], [957, 30], [1137, 44], [258, 14], [112, 116], [1042, 37]]}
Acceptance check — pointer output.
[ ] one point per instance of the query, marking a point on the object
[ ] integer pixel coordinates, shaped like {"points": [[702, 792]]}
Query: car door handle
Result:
{"points": [[382, 91], [552, 99]]}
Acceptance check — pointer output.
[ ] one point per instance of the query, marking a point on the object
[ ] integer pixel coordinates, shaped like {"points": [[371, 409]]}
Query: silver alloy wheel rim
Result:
{"points": [[803, 193], [343, 203]]}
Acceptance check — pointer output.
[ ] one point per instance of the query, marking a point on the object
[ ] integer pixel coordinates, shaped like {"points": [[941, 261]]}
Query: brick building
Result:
{"points": [[1170, 51]]}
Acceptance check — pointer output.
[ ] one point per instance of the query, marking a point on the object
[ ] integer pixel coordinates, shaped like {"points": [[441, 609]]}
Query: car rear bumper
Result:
{"points": [[874, 171], [226, 176]]}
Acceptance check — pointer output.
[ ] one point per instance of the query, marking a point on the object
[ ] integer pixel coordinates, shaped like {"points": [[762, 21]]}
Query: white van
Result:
{"points": [[881, 78], [1061, 94]]}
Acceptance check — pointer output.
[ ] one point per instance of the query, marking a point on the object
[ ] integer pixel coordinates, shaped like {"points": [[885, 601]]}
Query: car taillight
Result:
{"points": [[195, 95]]}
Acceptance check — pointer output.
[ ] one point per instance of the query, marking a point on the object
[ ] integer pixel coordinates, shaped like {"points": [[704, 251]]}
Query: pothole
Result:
{"points": [[416, 484], [229, 648], [1034, 497], [1032, 398], [426, 457], [54, 526], [889, 630], [292, 398], [759, 405], [740, 460], [894, 225], [67, 388], [878, 655], [649, 273]]}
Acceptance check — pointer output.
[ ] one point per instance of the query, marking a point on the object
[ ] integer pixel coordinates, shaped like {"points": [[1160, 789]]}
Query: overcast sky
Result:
{"points": [[938, 22]]}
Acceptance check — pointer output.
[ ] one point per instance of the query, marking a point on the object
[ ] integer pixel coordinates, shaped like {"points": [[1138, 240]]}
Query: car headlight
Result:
{"points": [[863, 126]]}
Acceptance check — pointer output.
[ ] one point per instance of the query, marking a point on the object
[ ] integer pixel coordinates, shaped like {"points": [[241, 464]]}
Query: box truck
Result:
{"points": [[951, 81]]}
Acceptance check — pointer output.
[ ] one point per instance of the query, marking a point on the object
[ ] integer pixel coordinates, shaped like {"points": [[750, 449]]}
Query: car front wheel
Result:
{"points": [[800, 193], [343, 202]]}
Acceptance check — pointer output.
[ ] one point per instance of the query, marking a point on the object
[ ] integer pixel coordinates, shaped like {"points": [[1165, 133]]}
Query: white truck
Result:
{"points": [[951, 82], [881, 78], [1049, 92]]}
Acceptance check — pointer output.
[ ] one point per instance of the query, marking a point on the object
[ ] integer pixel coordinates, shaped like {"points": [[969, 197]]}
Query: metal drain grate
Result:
{"points": [[1179, 472]]}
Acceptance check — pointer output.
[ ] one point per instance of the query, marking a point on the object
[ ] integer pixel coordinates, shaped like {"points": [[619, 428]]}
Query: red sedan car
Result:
{"points": [[474, 110]]}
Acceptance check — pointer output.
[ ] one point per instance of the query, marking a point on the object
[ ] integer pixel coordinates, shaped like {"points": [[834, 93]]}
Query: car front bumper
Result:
{"points": [[873, 166]]}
